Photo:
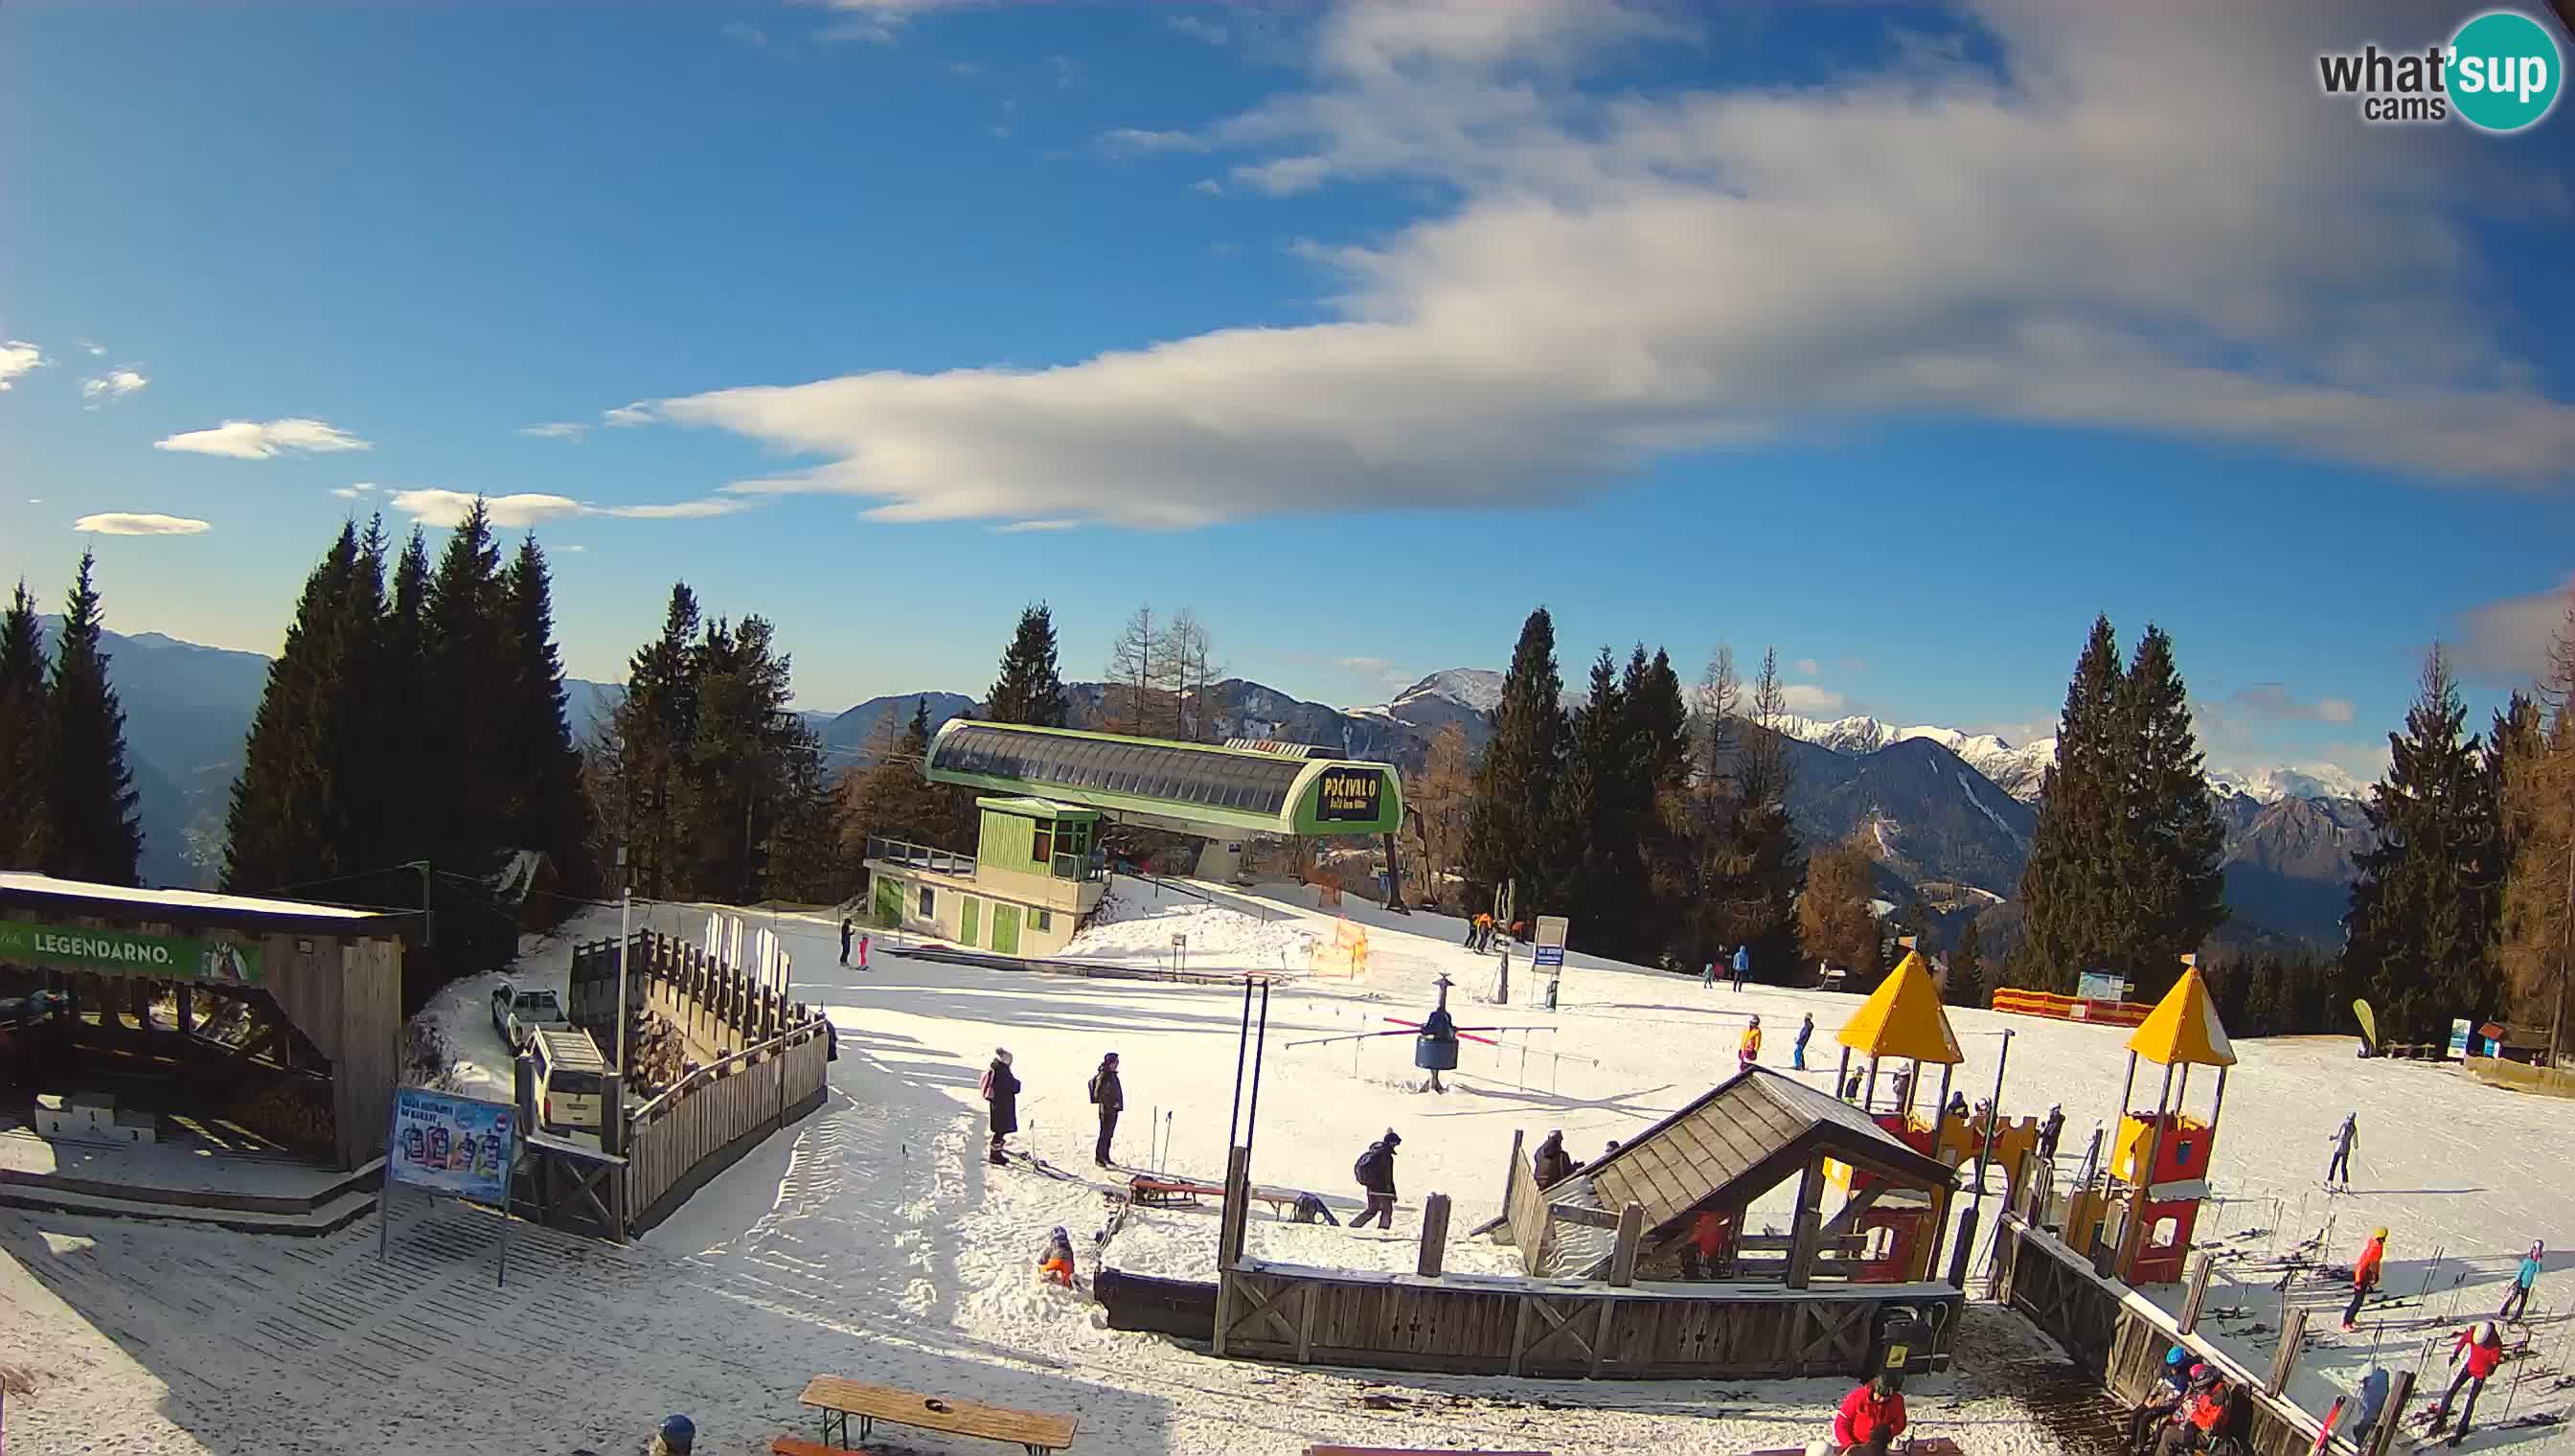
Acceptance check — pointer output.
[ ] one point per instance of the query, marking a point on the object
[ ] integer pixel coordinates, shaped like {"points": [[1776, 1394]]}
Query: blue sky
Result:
{"points": [[1903, 339]]}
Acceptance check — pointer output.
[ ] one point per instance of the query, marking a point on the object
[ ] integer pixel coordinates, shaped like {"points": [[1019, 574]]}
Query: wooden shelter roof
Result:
{"points": [[1742, 1139], [1902, 1018], [183, 907], [2183, 1027]]}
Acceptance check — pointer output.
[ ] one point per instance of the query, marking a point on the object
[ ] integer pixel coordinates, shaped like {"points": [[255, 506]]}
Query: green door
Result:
{"points": [[965, 927], [889, 901], [1006, 928]]}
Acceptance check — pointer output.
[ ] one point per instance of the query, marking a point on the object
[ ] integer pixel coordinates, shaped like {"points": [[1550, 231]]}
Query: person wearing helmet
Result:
{"points": [[2516, 1301], [2197, 1420], [676, 1438], [2482, 1343], [2161, 1398], [1871, 1418], [2364, 1277], [1751, 1050], [1055, 1266]]}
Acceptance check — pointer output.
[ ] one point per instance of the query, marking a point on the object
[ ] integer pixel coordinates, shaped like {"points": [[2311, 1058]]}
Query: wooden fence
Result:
{"points": [[687, 1136], [714, 1004], [1563, 1328], [2119, 1337]]}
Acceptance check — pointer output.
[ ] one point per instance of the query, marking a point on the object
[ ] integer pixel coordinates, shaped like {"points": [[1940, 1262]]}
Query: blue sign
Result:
{"points": [[453, 1145], [1552, 955], [2462, 1038]]}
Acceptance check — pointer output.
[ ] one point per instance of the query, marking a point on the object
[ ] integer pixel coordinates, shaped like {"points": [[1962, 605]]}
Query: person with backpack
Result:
{"points": [[2516, 1301], [2364, 1277], [1000, 1099], [1111, 1099], [1551, 1165], [2482, 1343], [1375, 1173]]}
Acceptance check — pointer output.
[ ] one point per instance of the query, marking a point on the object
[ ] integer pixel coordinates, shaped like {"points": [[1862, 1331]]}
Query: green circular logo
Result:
{"points": [[2504, 70]]}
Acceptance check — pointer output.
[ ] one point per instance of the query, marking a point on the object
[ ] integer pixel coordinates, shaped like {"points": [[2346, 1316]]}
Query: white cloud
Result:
{"points": [[1066, 68], [1015, 528], [638, 413], [749, 35], [114, 385], [448, 508], [18, 357], [1617, 277], [1810, 699], [1208, 186], [1195, 29], [352, 493], [576, 548], [95, 350], [1808, 667], [1127, 140], [132, 523], [246, 439], [559, 430], [2272, 700], [2507, 641], [878, 22]]}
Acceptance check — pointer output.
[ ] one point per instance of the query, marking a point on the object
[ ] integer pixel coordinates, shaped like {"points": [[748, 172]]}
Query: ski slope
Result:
{"points": [[873, 1240]]}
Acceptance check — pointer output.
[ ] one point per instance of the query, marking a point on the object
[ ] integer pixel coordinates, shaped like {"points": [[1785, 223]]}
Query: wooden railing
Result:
{"points": [[709, 1118]]}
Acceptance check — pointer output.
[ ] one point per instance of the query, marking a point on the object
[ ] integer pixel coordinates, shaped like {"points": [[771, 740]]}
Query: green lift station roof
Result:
{"points": [[1191, 787]]}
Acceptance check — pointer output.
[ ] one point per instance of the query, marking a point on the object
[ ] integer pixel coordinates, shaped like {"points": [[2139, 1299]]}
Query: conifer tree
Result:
{"points": [[1028, 689], [1966, 984], [2419, 939], [551, 812], [95, 835], [294, 817], [1513, 833], [1594, 884], [473, 687], [651, 727], [2172, 892], [2069, 886], [398, 821], [24, 722], [2537, 740]]}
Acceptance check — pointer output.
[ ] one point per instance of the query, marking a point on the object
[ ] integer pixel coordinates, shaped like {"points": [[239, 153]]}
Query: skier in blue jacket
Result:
{"points": [[2516, 1302], [1742, 964]]}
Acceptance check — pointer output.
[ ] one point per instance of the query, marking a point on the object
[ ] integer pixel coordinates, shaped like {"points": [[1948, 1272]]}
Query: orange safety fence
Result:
{"points": [[2070, 1008]]}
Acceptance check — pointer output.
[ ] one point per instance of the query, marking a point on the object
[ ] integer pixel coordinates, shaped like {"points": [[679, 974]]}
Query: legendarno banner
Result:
{"points": [[174, 957]]}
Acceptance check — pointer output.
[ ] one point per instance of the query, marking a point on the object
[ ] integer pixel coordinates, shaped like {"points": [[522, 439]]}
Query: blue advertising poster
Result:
{"points": [[2460, 1034], [453, 1145], [1550, 955]]}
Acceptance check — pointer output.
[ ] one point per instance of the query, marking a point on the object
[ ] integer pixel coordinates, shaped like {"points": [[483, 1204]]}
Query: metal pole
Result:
{"points": [[1242, 1044], [625, 937], [1977, 1202], [1259, 1045]]}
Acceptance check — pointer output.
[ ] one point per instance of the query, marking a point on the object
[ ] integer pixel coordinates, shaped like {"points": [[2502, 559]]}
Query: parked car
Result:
{"points": [[572, 1080], [516, 1013]]}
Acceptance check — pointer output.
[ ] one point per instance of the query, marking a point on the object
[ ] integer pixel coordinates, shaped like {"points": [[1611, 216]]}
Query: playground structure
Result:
{"points": [[1902, 1019], [2137, 1216]]}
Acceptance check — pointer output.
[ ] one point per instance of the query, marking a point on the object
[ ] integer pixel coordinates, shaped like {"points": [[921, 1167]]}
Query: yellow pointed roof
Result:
{"points": [[2183, 1027], [1902, 1018]]}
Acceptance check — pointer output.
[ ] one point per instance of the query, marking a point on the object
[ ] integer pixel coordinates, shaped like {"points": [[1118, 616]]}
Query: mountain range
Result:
{"points": [[1945, 813]]}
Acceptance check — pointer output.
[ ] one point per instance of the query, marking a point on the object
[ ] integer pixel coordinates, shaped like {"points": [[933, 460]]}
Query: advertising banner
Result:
{"points": [[1349, 796], [2101, 985], [454, 1145], [129, 952], [2462, 1037]]}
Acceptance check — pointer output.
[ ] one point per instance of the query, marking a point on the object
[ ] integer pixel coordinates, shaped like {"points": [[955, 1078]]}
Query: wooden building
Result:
{"points": [[322, 979]]}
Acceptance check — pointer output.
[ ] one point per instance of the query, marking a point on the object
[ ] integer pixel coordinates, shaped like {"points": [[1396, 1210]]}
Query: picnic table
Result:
{"points": [[840, 1399]]}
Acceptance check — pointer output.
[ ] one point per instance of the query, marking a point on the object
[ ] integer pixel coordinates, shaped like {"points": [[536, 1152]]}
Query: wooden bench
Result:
{"points": [[840, 1399], [1168, 1192], [797, 1446]]}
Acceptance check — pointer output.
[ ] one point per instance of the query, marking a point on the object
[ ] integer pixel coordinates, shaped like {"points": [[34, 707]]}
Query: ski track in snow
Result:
{"points": [[873, 1240]]}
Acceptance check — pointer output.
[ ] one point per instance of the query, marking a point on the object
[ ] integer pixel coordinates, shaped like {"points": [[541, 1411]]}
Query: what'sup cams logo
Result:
{"points": [[2500, 73]]}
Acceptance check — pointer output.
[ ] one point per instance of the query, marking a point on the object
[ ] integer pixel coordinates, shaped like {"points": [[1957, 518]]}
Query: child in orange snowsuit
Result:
{"points": [[1055, 1265]]}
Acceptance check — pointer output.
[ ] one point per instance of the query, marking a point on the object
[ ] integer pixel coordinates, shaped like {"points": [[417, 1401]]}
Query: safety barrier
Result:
{"points": [[2070, 1008]]}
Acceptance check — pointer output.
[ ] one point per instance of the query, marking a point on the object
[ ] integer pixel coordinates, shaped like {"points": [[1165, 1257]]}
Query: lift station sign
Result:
{"points": [[129, 952], [1349, 796]]}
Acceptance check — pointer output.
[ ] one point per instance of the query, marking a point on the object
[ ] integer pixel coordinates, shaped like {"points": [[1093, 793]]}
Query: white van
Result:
{"points": [[572, 1080]]}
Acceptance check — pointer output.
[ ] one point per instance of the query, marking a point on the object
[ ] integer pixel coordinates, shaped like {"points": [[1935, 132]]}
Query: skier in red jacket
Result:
{"points": [[2364, 1276], [2482, 1343], [1872, 1417]]}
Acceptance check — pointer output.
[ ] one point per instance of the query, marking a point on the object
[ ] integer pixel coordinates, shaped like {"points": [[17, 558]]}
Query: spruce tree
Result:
{"points": [[95, 834], [2069, 886], [1593, 885], [1028, 689], [1513, 833], [2169, 840], [24, 774], [2536, 743], [473, 686], [293, 817], [1967, 984], [553, 815], [399, 821], [2419, 939], [652, 728]]}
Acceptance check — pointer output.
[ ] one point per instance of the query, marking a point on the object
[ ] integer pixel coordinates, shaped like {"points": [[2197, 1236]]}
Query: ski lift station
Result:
{"points": [[1038, 868]]}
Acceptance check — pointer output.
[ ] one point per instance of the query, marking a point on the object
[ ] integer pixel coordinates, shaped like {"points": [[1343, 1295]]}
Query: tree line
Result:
{"points": [[66, 796]]}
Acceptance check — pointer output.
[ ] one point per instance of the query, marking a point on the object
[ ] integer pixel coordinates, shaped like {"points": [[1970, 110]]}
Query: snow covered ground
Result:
{"points": [[872, 1240]]}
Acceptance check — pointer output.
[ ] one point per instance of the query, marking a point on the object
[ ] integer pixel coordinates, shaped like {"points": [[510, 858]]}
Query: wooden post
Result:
{"points": [[2382, 1436], [2201, 1268], [1803, 1233], [1513, 1175], [1623, 1255], [1229, 1240], [1435, 1235], [2287, 1358]]}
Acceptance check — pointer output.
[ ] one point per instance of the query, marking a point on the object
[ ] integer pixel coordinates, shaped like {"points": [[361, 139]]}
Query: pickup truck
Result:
{"points": [[517, 1015]]}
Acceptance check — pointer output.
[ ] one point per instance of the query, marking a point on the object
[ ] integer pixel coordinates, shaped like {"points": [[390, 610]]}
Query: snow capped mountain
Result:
{"points": [[2270, 785], [1478, 688], [2015, 769]]}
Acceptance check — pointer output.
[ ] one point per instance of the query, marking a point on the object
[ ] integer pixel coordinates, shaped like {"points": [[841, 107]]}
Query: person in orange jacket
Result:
{"points": [[2482, 1343], [1872, 1417], [2364, 1277], [1055, 1266], [1751, 1050]]}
